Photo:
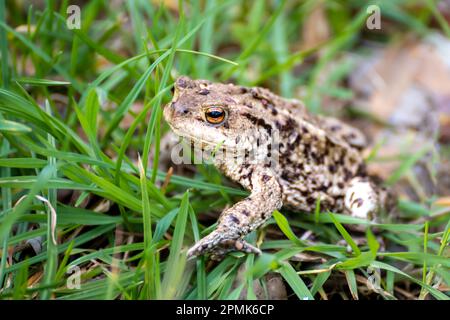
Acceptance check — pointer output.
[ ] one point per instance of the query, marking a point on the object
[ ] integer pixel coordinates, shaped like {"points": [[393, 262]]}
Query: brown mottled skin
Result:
{"points": [[318, 157]]}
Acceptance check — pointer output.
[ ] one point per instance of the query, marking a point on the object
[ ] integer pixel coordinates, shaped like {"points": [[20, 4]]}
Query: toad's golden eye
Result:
{"points": [[215, 115]]}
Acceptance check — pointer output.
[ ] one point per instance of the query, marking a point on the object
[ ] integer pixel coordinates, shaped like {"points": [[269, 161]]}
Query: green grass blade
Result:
{"points": [[351, 281], [436, 293], [295, 282], [13, 127], [202, 289], [177, 256], [51, 266], [283, 224], [345, 235], [148, 239]]}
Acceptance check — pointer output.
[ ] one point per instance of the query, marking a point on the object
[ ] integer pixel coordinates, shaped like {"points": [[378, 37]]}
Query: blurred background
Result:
{"points": [[83, 83]]}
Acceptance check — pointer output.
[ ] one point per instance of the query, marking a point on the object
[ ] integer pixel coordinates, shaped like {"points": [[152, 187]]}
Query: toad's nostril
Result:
{"points": [[179, 109]]}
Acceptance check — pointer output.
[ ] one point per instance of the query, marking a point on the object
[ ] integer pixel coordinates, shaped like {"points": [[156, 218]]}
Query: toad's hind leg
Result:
{"points": [[363, 199]]}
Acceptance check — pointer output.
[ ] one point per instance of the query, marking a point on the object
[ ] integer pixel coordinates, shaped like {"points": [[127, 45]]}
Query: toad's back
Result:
{"points": [[318, 156]]}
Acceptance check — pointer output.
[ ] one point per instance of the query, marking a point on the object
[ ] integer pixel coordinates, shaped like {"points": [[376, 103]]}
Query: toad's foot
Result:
{"points": [[361, 199], [218, 245]]}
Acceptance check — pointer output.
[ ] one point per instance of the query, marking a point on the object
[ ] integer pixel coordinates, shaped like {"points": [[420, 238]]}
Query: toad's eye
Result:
{"points": [[215, 115]]}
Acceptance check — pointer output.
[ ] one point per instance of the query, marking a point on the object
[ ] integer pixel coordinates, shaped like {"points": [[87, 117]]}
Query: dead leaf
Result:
{"points": [[315, 29], [445, 202], [407, 85]]}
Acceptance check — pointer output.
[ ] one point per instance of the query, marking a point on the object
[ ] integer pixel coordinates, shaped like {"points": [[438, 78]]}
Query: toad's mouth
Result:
{"points": [[203, 143]]}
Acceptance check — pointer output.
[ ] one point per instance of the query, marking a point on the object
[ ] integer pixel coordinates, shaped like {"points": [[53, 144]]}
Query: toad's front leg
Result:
{"points": [[242, 218]]}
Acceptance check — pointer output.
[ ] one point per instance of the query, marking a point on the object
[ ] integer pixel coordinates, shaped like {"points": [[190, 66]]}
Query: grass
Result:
{"points": [[114, 221]]}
